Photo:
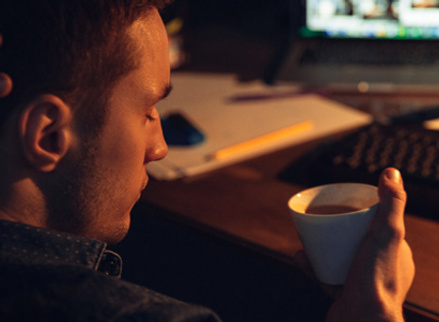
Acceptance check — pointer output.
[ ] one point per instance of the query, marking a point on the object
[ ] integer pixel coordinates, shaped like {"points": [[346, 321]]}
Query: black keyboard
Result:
{"points": [[371, 52], [361, 156]]}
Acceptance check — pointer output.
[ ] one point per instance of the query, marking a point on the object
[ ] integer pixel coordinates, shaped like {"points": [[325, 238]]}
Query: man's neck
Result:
{"points": [[23, 202]]}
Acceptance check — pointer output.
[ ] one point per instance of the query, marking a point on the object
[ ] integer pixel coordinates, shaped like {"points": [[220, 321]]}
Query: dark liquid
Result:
{"points": [[330, 209]]}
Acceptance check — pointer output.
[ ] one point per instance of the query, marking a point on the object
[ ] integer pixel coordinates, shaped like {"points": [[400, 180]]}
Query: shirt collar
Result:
{"points": [[33, 245]]}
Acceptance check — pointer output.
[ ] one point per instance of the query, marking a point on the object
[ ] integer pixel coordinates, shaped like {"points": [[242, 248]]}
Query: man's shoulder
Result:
{"points": [[54, 293]]}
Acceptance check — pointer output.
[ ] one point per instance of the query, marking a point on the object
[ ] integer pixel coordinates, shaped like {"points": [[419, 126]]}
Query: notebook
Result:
{"points": [[363, 45], [243, 120]]}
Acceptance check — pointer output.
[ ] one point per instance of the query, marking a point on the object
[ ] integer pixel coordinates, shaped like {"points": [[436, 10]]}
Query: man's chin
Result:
{"points": [[114, 235], [116, 238]]}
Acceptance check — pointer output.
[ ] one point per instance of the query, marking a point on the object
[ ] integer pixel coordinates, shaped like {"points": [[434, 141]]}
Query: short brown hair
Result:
{"points": [[74, 49]]}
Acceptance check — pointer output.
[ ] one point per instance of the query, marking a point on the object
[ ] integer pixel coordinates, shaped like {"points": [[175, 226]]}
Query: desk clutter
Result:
{"points": [[361, 156], [230, 128]]}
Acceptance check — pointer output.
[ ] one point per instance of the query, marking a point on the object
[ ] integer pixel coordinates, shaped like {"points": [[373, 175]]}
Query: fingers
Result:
{"points": [[5, 80], [5, 85]]}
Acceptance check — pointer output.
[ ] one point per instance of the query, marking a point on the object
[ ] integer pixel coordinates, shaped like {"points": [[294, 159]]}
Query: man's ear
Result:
{"points": [[45, 131]]}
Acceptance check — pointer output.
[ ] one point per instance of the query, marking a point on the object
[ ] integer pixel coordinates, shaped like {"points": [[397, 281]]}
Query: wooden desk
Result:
{"points": [[247, 202]]}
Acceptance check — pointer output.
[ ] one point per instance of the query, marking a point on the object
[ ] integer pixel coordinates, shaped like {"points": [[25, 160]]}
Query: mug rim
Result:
{"points": [[321, 187]]}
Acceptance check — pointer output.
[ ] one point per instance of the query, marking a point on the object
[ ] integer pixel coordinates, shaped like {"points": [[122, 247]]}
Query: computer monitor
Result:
{"points": [[388, 19]]}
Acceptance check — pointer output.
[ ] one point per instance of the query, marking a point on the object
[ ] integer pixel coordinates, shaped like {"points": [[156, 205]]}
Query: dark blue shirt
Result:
{"points": [[47, 275]]}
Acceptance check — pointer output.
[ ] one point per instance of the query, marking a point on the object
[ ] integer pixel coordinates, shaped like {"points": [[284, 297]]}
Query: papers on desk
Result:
{"points": [[256, 127]]}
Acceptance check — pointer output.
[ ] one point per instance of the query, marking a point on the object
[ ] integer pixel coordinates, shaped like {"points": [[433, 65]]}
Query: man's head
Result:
{"points": [[80, 124], [74, 49]]}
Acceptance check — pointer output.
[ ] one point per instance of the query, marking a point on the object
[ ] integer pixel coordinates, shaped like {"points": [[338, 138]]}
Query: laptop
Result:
{"points": [[365, 45]]}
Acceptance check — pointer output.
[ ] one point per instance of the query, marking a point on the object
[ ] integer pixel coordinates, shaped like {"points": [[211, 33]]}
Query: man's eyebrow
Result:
{"points": [[167, 91]]}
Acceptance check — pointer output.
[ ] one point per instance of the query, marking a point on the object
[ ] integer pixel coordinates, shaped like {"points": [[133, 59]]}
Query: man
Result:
{"points": [[77, 131], [77, 164]]}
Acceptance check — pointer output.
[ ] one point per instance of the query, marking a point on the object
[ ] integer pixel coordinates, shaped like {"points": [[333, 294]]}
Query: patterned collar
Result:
{"points": [[32, 245]]}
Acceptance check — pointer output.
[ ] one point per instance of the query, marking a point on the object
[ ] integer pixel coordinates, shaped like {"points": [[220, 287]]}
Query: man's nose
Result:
{"points": [[162, 148], [159, 148]]}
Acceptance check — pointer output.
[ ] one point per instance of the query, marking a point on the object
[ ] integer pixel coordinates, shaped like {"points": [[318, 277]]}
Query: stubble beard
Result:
{"points": [[78, 199]]}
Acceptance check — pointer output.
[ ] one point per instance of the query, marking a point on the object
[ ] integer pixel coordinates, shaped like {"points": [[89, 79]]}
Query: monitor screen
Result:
{"points": [[390, 19]]}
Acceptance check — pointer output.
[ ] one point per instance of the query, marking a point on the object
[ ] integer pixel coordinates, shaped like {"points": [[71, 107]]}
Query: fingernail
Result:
{"points": [[394, 175]]}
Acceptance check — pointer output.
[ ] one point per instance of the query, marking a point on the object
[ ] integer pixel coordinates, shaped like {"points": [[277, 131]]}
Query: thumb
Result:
{"points": [[390, 212]]}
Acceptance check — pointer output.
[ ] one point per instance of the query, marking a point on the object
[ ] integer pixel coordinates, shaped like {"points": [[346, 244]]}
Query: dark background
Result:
{"points": [[245, 37]]}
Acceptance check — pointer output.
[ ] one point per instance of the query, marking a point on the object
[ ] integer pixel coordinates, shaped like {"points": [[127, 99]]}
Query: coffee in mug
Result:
{"points": [[330, 209]]}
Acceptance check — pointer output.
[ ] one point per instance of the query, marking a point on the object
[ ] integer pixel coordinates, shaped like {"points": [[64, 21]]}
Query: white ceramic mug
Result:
{"points": [[331, 240]]}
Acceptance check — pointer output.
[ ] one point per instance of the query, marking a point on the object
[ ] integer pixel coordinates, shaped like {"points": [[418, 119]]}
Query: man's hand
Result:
{"points": [[5, 80], [5, 85], [383, 269]]}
